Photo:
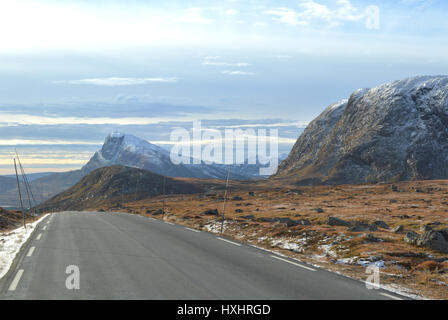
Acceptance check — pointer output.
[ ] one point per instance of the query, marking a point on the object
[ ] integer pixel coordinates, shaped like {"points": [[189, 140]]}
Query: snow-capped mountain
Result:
{"points": [[131, 151], [396, 131]]}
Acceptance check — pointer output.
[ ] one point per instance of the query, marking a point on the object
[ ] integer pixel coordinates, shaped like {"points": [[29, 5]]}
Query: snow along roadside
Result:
{"points": [[11, 242]]}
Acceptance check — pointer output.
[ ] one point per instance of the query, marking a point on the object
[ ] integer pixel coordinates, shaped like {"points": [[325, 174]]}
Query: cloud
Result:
{"points": [[286, 15], [212, 61], [26, 119], [237, 73], [231, 12], [194, 15], [345, 11], [112, 82], [34, 142], [312, 10]]}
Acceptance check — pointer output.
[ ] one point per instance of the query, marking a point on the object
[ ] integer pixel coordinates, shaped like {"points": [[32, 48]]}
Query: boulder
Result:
{"points": [[289, 222], [304, 222], [211, 212], [425, 228], [411, 237], [362, 227], [248, 217], [371, 238], [433, 240], [381, 224], [398, 229], [158, 212], [337, 222]]}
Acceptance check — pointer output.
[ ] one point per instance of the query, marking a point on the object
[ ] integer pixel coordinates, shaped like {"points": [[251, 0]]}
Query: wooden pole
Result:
{"points": [[225, 199], [20, 194]]}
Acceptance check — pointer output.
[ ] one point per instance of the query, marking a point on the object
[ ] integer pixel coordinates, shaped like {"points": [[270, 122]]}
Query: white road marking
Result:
{"points": [[234, 243], [16, 280], [169, 223], [296, 264], [390, 296], [44, 228], [192, 229], [38, 237], [30, 252]]}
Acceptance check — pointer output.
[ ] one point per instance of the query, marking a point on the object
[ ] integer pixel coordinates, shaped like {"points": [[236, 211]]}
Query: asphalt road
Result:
{"points": [[123, 256]]}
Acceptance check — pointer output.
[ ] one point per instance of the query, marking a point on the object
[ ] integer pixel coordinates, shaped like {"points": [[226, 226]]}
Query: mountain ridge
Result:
{"points": [[397, 131]]}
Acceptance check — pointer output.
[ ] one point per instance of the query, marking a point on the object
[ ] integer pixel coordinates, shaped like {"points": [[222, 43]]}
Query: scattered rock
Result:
{"points": [[237, 198], [336, 222], [319, 210], [248, 217], [362, 227], [211, 212], [398, 229], [158, 212], [267, 220], [289, 222], [425, 228], [239, 211], [251, 193], [411, 237], [304, 222], [371, 238], [381, 224], [433, 240], [428, 266]]}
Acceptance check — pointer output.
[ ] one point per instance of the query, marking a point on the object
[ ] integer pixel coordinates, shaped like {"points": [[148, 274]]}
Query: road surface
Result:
{"points": [[124, 256]]}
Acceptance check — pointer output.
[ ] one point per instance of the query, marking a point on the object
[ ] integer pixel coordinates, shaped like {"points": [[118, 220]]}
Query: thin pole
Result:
{"points": [[225, 199], [25, 181], [25, 178], [136, 186], [163, 201], [28, 189], [20, 194], [164, 189]]}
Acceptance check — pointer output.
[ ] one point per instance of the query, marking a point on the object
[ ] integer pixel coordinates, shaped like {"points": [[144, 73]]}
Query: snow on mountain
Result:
{"points": [[396, 131], [131, 151]]}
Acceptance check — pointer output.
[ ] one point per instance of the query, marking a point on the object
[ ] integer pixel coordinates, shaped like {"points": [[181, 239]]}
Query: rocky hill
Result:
{"points": [[397, 131], [118, 184]]}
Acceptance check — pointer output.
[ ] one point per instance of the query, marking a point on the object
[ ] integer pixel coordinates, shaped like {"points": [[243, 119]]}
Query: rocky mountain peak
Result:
{"points": [[396, 131]]}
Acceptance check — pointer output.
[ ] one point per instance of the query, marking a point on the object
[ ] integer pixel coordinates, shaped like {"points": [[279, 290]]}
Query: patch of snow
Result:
{"points": [[215, 226], [11, 242], [295, 246]]}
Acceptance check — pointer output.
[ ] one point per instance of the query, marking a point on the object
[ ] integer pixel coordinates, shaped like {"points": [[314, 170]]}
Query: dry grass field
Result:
{"points": [[295, 221]]}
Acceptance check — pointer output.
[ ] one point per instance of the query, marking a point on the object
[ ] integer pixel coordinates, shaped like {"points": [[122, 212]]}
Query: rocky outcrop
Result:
{"points": [[396, 131], [431, 239]]}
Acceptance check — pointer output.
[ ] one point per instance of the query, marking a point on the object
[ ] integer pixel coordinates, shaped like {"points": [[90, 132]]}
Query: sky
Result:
{"points": [[73, 71]]}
